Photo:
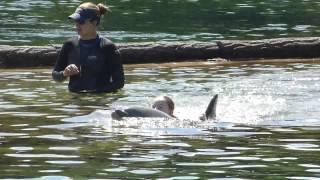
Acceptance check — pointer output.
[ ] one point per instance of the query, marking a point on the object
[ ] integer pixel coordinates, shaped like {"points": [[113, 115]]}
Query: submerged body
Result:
{"points": [[142, 112]]}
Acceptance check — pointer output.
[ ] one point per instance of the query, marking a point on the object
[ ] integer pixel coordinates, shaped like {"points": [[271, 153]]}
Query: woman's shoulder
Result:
{"points": [[107, 43], [71, 42]]}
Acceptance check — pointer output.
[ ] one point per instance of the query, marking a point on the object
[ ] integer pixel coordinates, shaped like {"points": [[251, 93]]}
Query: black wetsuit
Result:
{"points": [[98, 61]]}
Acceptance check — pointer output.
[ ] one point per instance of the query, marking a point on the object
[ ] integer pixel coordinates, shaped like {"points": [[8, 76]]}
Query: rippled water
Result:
{"points": [[267, 125], [26, 22]]}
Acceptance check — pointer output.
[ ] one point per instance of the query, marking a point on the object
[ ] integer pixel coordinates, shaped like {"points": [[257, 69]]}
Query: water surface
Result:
{"points": [[267, 125], [40, 22]]}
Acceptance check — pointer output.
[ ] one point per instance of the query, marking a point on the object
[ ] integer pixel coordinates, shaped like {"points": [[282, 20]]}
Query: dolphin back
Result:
{"points": [[138, 112], [211, 109]]}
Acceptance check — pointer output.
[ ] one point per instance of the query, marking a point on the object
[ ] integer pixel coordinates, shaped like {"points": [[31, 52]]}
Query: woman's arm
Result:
{"points": [[117, 74], [61, 64]]}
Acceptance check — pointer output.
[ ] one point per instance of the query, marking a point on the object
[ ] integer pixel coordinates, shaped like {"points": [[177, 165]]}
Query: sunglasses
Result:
{"points": [[80, 22]]}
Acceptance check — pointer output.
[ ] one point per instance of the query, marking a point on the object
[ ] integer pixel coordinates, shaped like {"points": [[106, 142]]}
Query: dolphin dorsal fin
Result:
{"points": [[211, 109]]}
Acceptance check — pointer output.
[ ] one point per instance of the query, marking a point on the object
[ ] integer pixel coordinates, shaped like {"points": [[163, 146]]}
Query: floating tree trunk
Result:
{"points": [[133, 53]]}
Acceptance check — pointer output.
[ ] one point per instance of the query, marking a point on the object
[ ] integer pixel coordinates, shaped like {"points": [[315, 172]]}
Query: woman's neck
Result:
{"points": [[89, 36]]}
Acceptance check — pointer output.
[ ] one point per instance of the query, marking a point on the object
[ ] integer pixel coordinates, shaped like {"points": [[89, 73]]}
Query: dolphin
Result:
{"points": [[138, 112], [143, 112]]}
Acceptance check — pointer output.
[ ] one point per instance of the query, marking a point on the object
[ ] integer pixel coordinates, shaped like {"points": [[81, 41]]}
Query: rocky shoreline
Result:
{"points": [[156, 52]]}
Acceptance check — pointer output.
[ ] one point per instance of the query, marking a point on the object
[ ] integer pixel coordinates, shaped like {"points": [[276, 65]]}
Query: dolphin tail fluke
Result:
{"points": [[211, 109]]}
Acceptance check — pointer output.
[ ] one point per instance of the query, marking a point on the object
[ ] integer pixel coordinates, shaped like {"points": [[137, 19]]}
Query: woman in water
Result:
{"points": [[91, 62]]}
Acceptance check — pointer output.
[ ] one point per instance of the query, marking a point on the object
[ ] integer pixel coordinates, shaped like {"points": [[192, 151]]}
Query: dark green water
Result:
{"points": [[267, 125], [26, 22]]}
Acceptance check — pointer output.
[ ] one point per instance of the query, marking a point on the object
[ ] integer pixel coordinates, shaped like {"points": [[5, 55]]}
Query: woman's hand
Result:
{"points": [[70, 70]]}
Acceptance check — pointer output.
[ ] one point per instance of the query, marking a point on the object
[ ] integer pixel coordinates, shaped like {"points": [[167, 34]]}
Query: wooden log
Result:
{"points": [[284, 48], [167, 52], [271, 48]]}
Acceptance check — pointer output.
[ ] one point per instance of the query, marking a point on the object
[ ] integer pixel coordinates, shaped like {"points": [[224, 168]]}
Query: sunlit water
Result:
{"points": [[267, 125], [44, 22]]}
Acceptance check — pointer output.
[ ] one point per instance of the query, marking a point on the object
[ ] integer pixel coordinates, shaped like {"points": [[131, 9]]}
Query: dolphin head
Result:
{"points": [[118, 114]]}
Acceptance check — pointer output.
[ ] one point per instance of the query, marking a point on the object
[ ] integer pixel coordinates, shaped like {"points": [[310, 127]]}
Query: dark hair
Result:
{"points": [[170, 102], [103, 9], [100, 8]]}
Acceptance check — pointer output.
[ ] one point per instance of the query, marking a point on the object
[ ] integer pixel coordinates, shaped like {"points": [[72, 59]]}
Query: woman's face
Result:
{"points": [[86, 29]]}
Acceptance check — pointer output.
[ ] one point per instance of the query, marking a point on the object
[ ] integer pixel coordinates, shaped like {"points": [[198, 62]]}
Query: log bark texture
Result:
{"points": [[284, 48]]}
